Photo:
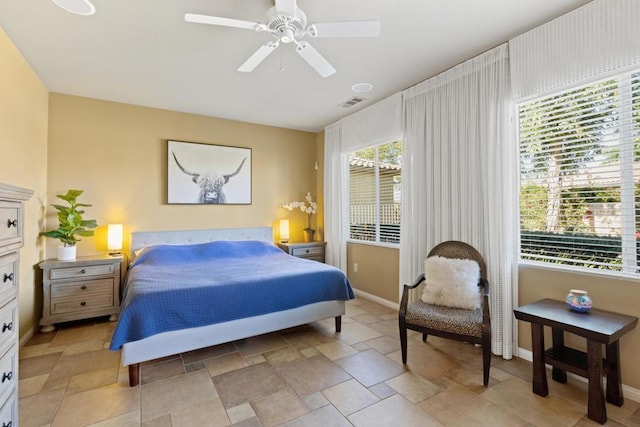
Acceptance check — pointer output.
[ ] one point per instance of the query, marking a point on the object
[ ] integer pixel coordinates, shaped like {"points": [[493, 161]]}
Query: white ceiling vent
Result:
{"points": [[352, 101]]}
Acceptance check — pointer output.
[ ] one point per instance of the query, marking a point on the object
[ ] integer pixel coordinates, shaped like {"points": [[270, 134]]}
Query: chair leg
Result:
{"points": [[403, 341], [486, 360], [424, 337]]}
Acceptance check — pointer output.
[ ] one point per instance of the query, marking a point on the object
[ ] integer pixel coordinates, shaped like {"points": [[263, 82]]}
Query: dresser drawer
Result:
{"points": [[8, 277], [82, 303], [9, 412], [8, 325], [9, 221], [8, 372], [86, 271], [81, 288], [306, 252]]}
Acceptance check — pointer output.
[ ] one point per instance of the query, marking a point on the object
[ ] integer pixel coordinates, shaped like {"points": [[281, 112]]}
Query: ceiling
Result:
{"points": [[143, 52]]}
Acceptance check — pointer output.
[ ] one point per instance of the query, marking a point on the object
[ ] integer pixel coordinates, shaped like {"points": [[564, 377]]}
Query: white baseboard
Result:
{"points": [[630, 393], [377, 299], [31, 332]]}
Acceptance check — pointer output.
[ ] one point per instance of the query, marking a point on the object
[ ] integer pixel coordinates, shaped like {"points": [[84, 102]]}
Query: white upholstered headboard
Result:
{"points": [[141, 239]]}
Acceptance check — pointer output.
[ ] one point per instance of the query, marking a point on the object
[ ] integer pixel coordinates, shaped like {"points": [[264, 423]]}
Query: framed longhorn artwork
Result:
{"points": [[204, 174]]}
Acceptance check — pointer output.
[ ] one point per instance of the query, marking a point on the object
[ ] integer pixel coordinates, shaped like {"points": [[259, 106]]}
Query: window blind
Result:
{"points": [[374, 193], [580, 176], [363, 215]]}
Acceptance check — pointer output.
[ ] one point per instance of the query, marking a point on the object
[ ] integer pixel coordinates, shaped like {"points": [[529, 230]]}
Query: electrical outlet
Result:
{"points": [[355, 267]]}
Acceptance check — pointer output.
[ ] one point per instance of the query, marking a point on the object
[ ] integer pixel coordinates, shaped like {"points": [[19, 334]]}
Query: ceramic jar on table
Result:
{"points": [[579, 300]]}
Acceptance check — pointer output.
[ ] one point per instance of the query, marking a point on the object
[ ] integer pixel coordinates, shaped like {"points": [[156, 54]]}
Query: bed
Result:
{"points": [[187, 290]]}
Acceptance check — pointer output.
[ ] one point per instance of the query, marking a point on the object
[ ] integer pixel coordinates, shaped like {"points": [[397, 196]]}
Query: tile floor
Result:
{"points": [[305, 376]]}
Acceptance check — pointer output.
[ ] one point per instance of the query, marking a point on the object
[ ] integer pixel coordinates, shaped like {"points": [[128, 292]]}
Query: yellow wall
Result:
{"points": [[23, 144], [117, 153], [621, 296], [378, 269]]}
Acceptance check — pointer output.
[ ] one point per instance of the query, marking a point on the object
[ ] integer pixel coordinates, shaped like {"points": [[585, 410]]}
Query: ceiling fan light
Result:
{"points": [[286, 35], [79, 7]]}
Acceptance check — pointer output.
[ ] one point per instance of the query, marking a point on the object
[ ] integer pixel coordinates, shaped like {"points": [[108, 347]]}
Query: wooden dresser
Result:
{"points": [[11, 240]]}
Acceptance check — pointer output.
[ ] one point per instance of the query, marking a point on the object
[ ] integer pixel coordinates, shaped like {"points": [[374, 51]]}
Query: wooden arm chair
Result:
{"points": [[473, 326]]}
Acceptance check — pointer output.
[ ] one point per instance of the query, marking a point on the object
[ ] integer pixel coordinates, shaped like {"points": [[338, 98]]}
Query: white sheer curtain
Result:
{"points": [[459, 176], [591, 42], [380, 122], [336, 197]]}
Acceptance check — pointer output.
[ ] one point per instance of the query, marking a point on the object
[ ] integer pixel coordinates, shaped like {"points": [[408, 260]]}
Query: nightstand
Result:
{"points": [[80, 289], [308, 250]]}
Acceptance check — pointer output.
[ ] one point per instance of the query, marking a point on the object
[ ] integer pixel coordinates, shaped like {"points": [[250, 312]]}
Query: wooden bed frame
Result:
{"points": [[175, 342]]}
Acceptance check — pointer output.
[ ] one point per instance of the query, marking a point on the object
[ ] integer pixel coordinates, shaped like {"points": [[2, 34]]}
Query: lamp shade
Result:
{"points": [[284, 230], [114, 238]]}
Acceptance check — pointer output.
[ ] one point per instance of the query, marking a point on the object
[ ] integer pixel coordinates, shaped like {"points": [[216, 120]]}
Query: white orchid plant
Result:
{"points": [[309, 207]]}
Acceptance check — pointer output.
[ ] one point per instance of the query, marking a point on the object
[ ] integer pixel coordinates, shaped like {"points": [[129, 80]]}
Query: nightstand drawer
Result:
{"points": [[77, 304], [305, 252], [86, 271], [82, 288]]}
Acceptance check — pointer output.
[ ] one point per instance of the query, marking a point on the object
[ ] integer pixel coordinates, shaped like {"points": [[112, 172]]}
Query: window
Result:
{"points": [[580, 176], [374, 193]]}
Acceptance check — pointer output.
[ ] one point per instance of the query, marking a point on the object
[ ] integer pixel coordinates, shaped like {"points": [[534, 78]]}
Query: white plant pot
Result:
{"points": [[66, 253]]}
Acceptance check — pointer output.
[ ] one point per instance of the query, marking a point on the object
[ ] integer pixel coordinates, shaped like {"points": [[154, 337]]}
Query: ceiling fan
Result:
{"points": [[286, 23]]}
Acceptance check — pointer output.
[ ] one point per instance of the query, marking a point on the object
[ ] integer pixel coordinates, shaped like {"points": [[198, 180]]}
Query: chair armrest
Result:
{"points": [[484, 284], [405, 294], [419, 280], [486, 322]]}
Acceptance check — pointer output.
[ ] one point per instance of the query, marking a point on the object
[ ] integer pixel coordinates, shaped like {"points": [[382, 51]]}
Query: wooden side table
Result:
{"points": [[79, 289], [598, 327], [308, 250]]}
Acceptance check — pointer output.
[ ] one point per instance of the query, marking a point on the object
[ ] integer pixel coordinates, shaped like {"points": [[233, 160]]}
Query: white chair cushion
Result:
{"points": [[452, 282]]}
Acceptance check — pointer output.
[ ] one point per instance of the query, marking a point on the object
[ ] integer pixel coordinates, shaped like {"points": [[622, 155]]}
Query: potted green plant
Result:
{"points": [[72, 224]]}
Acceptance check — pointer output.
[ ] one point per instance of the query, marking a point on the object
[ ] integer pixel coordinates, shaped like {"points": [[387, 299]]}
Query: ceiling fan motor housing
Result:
{"points": [[287, 27]]}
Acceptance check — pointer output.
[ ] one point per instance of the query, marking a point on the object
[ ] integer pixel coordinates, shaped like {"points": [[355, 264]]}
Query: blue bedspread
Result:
{"points": [[171, 287]]}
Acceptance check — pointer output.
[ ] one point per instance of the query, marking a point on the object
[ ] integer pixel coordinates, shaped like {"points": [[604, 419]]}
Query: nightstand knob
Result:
{"points": [[83, 287], [6, 326], [83, 303], [13, 223], [9, 424], [7, 277], [7, 376], [83, 271]]}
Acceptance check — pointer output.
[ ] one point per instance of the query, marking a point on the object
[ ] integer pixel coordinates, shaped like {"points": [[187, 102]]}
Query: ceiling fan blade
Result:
{"points": [[259, 56], [345, 29], [217, 20], [313, 58], [286, 7]]}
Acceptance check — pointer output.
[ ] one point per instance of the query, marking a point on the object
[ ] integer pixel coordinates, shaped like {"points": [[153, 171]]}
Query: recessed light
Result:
{"points": [[362, 87], [79, 7]]}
